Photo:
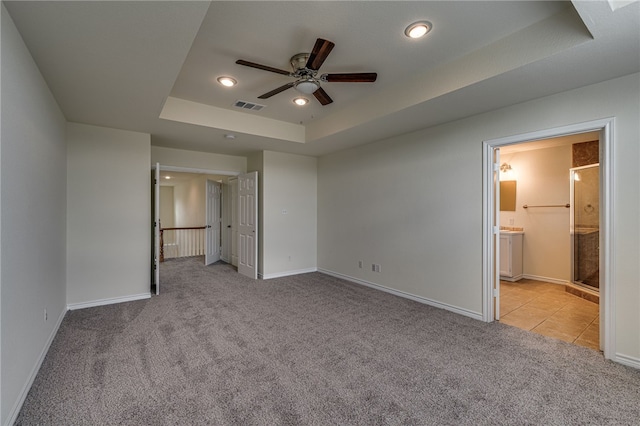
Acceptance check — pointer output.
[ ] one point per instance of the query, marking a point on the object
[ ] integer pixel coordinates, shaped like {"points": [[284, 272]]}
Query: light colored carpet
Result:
{"points": [[216, 348]]}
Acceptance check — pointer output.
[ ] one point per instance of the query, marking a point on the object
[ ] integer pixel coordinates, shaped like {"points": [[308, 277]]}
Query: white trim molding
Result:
{"points": [[287, 273], [179, 169], [629, 361], [13, 414], [545, 279], [420, 299], [607, 256], [110, 301]]}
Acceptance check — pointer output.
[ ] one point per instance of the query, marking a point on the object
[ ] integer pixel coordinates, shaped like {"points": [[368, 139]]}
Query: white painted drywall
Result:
{"points": [[542, 177], [198, 160], [167, 211], [108, 211], [189, 199], [413, 204], [33, 211], [289, 213]]}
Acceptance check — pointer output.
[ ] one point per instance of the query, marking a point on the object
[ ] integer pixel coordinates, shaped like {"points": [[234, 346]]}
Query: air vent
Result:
{"points": [[248, 105]]}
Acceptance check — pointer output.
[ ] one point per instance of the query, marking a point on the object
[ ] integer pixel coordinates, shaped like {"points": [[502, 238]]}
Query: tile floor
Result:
{"points": [[547, 309]]}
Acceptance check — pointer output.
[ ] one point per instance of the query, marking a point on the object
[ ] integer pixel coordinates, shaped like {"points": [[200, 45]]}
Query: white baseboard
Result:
{"points": [[420, 299], [13, 414], [287, 273], [110, 301], [545, 279], [628, 360]]}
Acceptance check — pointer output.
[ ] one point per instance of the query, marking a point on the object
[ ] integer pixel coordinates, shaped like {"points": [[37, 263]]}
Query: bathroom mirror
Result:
{"points": [[508, 196]]}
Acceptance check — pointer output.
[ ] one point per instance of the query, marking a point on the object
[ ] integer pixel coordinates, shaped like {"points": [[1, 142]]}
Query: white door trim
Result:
{"points": [[156, 228], [607, 258]]}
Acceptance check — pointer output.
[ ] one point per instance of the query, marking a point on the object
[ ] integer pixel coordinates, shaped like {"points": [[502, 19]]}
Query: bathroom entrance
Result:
{"points": [[543, 215]]}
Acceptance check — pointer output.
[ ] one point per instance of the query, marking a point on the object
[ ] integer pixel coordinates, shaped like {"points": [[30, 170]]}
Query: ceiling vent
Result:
{"points": [[248, 105]]}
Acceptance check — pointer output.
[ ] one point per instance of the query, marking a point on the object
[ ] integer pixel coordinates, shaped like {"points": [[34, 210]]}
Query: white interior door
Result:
{"points": [[234, 221], [156, 229], [248, 224], [496, 232], [213, 219]]}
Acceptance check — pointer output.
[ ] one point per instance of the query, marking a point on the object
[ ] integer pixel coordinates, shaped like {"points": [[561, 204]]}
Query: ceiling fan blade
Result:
{"points": [[262, 67], [276, 91], [363, 77], [322, 96], [320, 51]]}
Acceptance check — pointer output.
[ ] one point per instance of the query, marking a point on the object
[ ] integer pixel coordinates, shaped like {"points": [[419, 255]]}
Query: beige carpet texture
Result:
{"points": [[216, 348]]}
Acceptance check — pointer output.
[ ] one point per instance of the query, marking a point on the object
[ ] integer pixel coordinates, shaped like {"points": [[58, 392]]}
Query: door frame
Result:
{"points": [[178, 169], [607, 258]]}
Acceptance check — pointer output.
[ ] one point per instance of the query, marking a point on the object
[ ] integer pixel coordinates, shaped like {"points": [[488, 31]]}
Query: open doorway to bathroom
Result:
{"points": [[550, 236], [557, 282]]}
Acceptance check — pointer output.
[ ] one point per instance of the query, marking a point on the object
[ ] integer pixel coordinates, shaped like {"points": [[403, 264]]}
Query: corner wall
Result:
{"points": [[109, 206], [413, 204], [32, 220], [290, 214]]}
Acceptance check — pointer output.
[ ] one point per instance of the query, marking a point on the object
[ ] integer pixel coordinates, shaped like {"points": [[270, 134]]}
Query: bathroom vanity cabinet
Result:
{"points": [[511, 255]]}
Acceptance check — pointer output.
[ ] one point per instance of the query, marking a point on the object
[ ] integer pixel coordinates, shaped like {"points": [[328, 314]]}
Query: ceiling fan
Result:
{"points": [[305, 70]]}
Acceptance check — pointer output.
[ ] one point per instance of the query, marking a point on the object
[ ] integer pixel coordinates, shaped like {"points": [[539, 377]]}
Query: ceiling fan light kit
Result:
{"points": [[307, 86], [305, 70]]}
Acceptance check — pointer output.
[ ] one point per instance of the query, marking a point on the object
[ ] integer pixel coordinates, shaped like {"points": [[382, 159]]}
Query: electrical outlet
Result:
{"points": [[511, 221], [46, 317], [373, 267], [360, 264], [289, 258]]}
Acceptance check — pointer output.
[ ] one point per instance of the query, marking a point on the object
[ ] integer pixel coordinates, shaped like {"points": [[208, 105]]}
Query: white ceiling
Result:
{"points": [[126, 64]]}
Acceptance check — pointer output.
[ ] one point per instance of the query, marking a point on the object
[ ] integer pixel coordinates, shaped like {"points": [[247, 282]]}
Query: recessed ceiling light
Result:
{"points": [[227, 81], [229, 136], [167, 177], [418, 29], [301, 101]]}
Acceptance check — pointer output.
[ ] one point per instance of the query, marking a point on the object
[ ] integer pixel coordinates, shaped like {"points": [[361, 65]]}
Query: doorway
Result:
{"points": [[189, 215], [491, 221]]}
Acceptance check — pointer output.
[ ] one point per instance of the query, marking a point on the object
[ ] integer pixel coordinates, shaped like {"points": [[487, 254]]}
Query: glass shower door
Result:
{"points": [[585, 226]]}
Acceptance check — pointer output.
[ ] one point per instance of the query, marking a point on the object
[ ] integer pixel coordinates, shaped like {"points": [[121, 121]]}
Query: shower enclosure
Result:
{"points": [[585, 226]]}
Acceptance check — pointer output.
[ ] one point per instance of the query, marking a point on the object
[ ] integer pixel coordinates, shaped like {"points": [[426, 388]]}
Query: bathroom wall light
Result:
{"points": [[505, 167]]}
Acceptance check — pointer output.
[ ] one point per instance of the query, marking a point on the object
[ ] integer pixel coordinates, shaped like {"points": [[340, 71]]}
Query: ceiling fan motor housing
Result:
{"points": [[299, 61]]}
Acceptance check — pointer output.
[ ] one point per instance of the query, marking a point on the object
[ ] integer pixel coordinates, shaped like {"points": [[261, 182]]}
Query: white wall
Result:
{"points": [[542, 177], [32, 224], [290, 240], [108, 211], [413, 203], [198, 160], [189, 202], [167, 211]]}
